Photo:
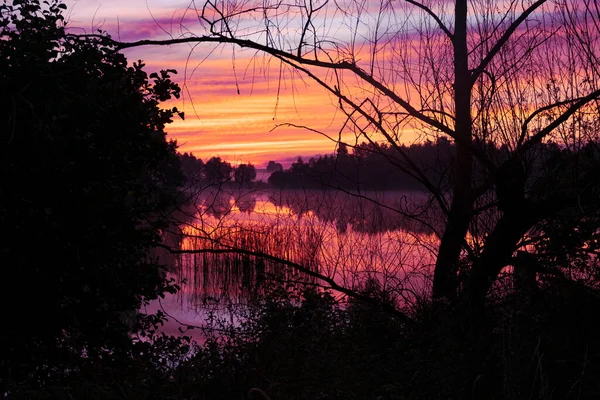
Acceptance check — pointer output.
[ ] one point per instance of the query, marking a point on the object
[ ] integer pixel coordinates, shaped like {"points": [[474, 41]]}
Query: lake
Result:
{"points": [[349, 237]]}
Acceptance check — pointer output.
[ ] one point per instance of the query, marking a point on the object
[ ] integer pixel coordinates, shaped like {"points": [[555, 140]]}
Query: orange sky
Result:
{"points": [[235, 102], [219, 121]]}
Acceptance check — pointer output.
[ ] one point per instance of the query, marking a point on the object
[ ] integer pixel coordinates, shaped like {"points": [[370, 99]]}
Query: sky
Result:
{"points": [[243, 107], [235, 104]]}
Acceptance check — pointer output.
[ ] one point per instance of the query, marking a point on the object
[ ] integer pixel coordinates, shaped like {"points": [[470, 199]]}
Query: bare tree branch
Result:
{"points": [[537, 138], [504, 39], [433, 15], [300, 268]]}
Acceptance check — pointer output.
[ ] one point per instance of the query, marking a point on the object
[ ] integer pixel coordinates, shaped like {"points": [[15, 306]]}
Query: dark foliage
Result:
{"points": [[244, 174], [215, 171], [87, 178], [192, 167], [369, 166], [273, 166], [305, 345]]}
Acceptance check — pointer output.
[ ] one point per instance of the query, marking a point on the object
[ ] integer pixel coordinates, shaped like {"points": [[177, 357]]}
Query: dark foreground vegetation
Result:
{"points": [[88, 182], [306, 346], [310, 348]]}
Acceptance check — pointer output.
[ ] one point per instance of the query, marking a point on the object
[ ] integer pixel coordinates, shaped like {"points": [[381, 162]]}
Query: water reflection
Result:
{"points": [[342, 236], [367, 212], [246, 203]]}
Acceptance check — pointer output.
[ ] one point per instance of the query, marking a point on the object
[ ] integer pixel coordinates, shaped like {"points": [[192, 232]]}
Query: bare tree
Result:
{"points": [[486, 74]]}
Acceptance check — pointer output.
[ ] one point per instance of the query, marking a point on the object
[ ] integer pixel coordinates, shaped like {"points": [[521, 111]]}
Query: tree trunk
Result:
{"points": [[446, 267], [498, 250], [461, 209], [517, 218]]}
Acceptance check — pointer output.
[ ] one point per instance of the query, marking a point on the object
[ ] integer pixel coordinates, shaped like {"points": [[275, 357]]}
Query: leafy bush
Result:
{"points": [[87, 180]]}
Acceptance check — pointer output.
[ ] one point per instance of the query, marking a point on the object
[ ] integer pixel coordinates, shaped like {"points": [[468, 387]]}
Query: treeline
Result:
{"points": [[215, 171], [368, 166], [379, 166]]}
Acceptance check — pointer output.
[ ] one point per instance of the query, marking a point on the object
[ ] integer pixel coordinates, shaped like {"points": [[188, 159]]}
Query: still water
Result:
{"points": [[348, 237]]}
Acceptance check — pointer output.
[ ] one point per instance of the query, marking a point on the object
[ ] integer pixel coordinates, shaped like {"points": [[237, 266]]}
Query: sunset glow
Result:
{"points": [[248, 126], [243, 106]]}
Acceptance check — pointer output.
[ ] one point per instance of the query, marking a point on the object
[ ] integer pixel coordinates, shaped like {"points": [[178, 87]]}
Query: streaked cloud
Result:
{"points": [[219, 121], [233, 98]]}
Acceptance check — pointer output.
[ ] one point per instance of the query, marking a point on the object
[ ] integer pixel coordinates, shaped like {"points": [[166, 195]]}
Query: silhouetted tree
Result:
{"points": [[244, 174], [273, 166], [217, 171], [192, 167], [87, 179]]}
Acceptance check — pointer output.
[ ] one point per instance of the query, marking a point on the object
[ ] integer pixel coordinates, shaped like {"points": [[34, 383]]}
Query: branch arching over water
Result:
{"points": [[298, 267]]}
